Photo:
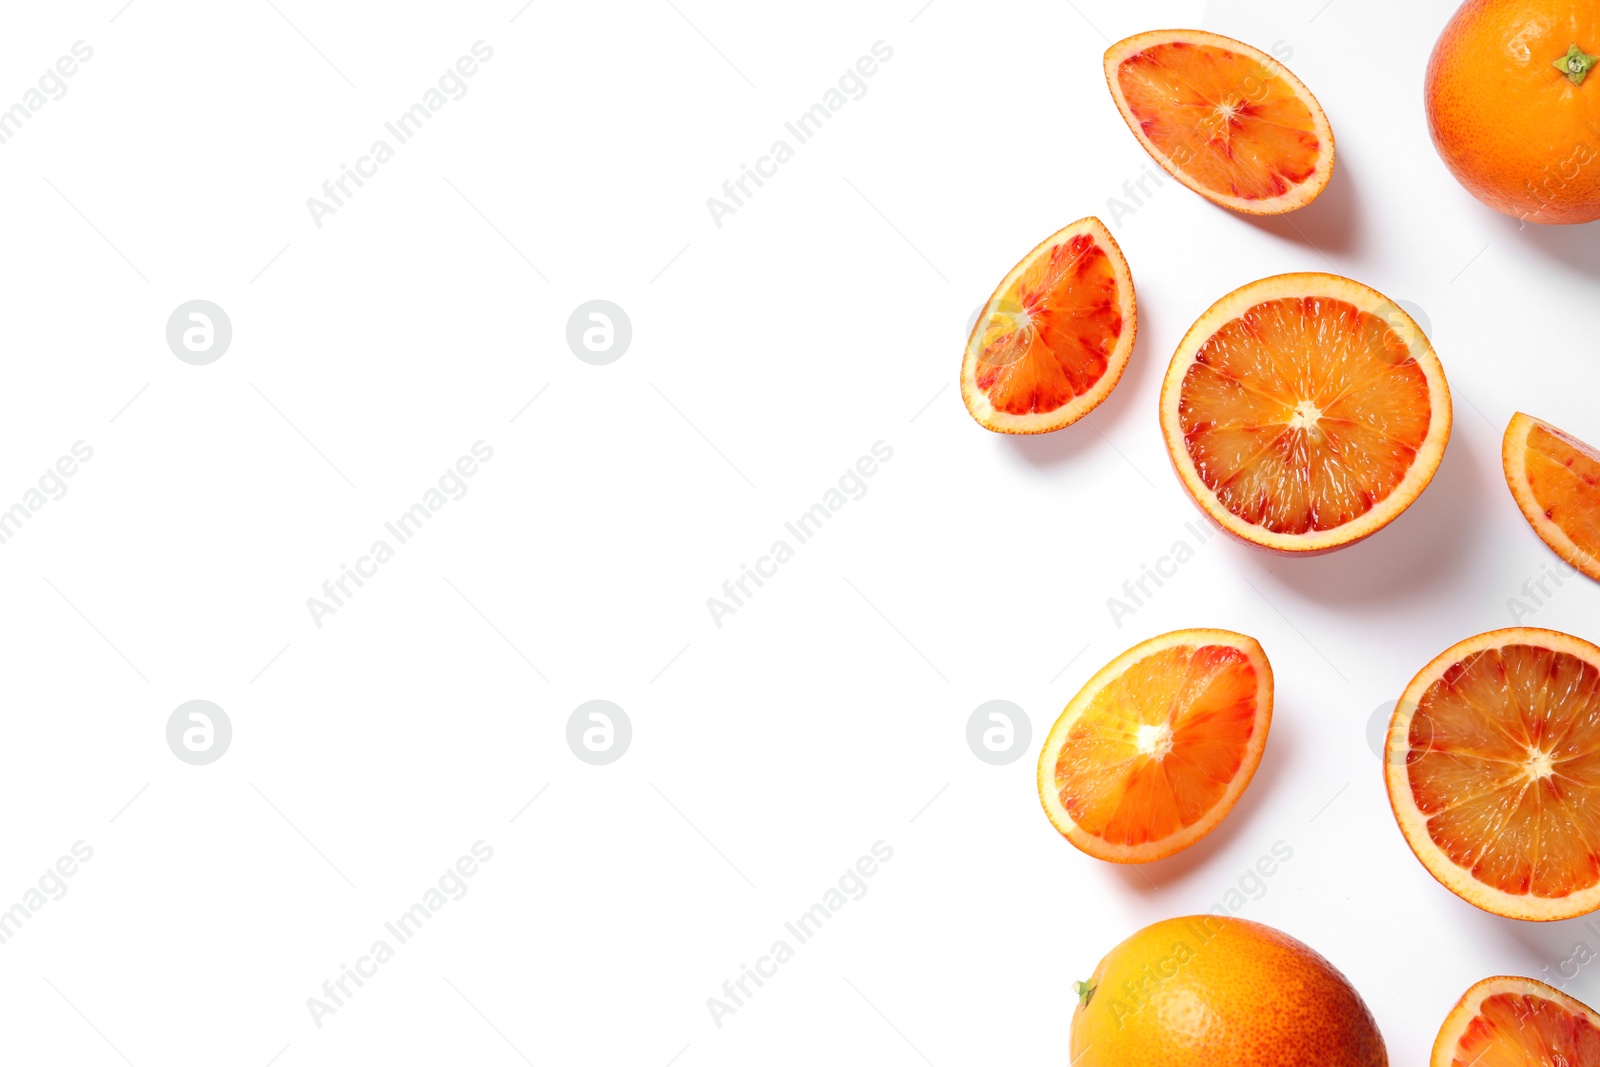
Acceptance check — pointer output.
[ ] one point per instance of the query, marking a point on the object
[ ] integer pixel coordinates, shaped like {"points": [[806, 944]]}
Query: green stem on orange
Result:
{"points": [[1575, 64], [1085, 990]]}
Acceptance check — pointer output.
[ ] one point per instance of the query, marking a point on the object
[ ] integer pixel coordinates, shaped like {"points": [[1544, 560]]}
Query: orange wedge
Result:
{"points": [[1304, 412], [1054, 338], [1556, 480], [1517, 1022], [1225, 119], [1492, 762], [1155, 750]]}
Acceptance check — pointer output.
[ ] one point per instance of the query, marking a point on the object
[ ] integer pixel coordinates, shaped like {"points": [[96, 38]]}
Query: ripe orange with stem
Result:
{"points": [[1514, 108], [1210, 991]]}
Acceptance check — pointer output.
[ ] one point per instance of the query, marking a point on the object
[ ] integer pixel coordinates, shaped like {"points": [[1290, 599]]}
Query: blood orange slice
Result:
{"points": [[1517, 1022], [1492, 762], [1556, 480], [1225, 119], [1155, 750], [1304, 412], [1054, 338]]}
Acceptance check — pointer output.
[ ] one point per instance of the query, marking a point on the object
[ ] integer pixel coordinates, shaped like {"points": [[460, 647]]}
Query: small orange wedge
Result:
{"points": [[1304, 412], [1517, 1022], [1225, 119], [1055, 337], [1155, 750], [1556, 480], [1492, 762]]}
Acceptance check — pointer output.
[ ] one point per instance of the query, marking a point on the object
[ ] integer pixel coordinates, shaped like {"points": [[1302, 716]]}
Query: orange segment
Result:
{"points": [[1225, 119], [1517, 1022], [1556, 481], [1055, 337], [1156, 748], [1493, 771], [1304, 412]]}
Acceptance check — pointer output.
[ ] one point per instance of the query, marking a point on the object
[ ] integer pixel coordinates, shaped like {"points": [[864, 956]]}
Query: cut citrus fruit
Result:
{"points": [[1556, 480], [1517, 1022], [1492, 762], [1304, 412], [1155, 750], [1054, 338], [1225, 119], [1218, 991]]}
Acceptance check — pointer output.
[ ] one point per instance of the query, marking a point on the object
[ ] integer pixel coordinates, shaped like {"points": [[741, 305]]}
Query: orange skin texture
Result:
{"points": [[1512, 129], [1214, 991]]}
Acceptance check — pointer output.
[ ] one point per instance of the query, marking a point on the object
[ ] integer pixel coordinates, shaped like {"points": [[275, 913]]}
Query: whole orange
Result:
{"points": [[1514, 109], [1204, 991]]}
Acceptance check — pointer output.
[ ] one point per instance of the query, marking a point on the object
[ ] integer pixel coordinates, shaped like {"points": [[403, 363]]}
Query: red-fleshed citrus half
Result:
{"points": [[1055, 337], [1224, 118], [1304, 412], [1492, 763], [1555, 479], [1157, 747], [1507, 1021]]}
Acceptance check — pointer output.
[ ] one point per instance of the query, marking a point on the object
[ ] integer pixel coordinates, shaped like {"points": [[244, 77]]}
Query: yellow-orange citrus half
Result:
{"points": [[1556, 480], [1155, 750], [1304, 412], [1225, 119], [1492, 763], [1210, 991], [1517, 1022], [1054, 338]]}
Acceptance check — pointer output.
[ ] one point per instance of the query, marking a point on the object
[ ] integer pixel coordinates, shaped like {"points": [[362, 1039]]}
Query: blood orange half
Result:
{"points": [[1054, 338], [1556, 480], [1517, 1022], [1155, 750], [1492, 763], [1304, 412], [1225, 119]]}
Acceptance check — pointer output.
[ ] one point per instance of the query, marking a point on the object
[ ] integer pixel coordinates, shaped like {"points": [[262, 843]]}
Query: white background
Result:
{"points": [[768, 354]]}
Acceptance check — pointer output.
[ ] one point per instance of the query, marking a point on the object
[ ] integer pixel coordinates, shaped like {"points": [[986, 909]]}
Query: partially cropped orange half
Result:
{"points": [[1492, 763], [1517, 1022], [1155, 750], [1556, 480], [1225, 119], [1304, 412], [1055, 337]]}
